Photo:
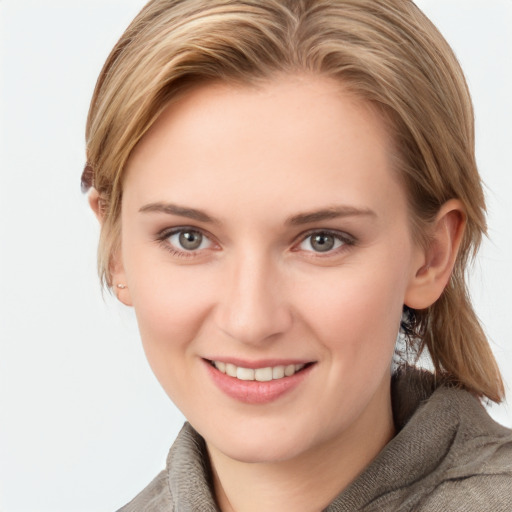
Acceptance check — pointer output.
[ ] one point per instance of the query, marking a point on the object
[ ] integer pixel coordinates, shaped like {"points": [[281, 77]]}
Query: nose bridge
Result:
{"points": [[254, 307]]}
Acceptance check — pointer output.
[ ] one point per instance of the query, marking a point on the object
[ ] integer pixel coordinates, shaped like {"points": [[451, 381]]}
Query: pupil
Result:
{"points": [[322, 243], [190, 240]]}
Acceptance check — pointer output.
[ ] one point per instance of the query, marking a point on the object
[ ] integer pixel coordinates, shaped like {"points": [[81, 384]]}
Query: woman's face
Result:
{"points": [[265, 234]]}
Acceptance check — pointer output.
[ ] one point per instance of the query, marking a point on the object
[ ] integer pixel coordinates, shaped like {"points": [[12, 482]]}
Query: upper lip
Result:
{"points": [[260, 363]]}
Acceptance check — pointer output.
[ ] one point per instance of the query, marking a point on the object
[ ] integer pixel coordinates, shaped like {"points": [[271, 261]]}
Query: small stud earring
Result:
{"points": [[121, 286]]}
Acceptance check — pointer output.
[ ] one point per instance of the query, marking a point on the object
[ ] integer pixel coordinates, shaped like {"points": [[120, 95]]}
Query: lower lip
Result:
{"points": [[255, 392]]}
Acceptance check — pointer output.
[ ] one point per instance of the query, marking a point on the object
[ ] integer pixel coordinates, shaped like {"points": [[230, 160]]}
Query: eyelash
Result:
{"points": [[346, 241], [164, 235]]}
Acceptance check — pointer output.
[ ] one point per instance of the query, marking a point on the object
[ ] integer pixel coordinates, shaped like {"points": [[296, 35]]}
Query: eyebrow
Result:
{"points": [[174, 209], [332, 212]]}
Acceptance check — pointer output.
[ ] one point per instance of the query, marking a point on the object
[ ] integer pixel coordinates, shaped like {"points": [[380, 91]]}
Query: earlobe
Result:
{"points": [[437, 260], [118, 283], [123, 294]]}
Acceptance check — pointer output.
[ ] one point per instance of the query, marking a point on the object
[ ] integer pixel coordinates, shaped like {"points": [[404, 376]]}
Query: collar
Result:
{"points": [[440, 430]]}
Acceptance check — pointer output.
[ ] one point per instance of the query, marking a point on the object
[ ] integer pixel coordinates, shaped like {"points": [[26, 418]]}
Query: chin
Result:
{"points": [[260, 444], [251, 453]]}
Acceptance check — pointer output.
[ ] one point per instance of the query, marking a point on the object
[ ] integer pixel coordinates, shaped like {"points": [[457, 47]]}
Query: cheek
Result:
{"points": [[356, 311], [170, 303], [170, 315], [171, 309]]}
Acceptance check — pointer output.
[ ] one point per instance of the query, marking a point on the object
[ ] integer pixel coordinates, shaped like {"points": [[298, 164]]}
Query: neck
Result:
{"points": [[308, 482]]}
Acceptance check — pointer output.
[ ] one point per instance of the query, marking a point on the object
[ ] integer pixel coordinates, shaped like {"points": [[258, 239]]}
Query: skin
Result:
{"points": [[252, 158]]}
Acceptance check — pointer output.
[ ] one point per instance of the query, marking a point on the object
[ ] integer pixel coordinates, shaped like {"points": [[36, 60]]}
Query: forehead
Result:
{"points": [[222, 144]]}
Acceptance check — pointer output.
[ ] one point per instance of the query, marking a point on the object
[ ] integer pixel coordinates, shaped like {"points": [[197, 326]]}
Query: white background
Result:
{"points": [[83, 423]]}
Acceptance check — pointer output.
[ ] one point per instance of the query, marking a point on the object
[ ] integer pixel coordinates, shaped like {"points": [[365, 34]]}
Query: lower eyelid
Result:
{"points": [[174, 251], [180, 254], [163, 239], [344, 239]]}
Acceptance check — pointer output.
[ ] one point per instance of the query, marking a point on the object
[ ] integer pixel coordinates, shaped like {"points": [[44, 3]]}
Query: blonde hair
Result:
{"points": [[385, 51]]}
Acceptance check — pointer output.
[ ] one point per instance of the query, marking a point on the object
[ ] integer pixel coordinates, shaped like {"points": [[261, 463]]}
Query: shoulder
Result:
{"points": [[479, 479], [156, 497], [477, 493], [474, 474], [448, 454], [185, 484]]}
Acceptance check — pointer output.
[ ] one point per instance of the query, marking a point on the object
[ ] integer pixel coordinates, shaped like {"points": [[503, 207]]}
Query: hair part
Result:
{"points": [[385, 51]]}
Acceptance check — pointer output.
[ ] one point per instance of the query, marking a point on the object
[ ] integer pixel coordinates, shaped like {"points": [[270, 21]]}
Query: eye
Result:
{"points": [[324, 241], [188, 240]]}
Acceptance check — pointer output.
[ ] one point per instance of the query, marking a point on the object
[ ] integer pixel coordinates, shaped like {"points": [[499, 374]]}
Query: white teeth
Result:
{"points": [[259, 374], [230, 370], [263, 374], [278, 372], [244, 373], [289, 370]]}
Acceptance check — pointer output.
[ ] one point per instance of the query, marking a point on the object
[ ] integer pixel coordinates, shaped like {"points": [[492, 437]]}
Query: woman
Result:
{"points": [[282, 185]]}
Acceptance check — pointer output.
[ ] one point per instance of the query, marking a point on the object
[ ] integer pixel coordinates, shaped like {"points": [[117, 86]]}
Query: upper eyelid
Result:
{"points": [[162, 239], [167, 232], [348, 242], [343, 235]]}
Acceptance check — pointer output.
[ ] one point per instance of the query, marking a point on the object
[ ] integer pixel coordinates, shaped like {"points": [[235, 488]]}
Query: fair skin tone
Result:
{"points": [[263, 227]]}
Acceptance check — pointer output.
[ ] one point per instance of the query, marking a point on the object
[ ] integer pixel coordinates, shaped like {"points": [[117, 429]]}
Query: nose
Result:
{"points": [[253, 307]]}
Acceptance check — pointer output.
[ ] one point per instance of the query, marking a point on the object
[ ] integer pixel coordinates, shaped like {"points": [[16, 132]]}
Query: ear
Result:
{"points": [[116, 267], [96, 204], [435, 262], [119, 279]]}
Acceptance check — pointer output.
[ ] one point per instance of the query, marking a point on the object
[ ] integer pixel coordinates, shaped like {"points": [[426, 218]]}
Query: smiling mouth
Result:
{"points": [[266, 374]]}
